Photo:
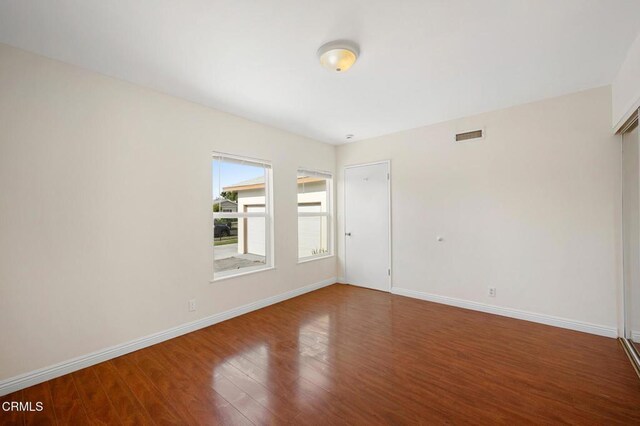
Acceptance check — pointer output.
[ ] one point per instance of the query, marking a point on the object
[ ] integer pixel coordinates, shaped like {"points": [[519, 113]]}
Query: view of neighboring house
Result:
{"points": [[312, 231], [225, 206]]}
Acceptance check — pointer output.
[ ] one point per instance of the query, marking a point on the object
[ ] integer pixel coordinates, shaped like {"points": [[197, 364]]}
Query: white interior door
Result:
{"points": [[367, 226]]}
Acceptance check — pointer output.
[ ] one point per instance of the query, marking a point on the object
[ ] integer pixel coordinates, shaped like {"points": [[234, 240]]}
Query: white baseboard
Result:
{"points": [[22, 381], [600, 330]]}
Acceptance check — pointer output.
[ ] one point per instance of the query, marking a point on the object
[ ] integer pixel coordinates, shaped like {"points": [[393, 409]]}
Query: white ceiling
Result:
{"points": [[421, 62]]}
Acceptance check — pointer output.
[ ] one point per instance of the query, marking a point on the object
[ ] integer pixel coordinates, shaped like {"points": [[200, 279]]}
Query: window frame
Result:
{"points": [[267, 215], [328, 214]]}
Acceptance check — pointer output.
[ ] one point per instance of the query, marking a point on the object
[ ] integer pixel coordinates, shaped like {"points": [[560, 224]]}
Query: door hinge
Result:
{"points": [[388, 176], [389, 272]]}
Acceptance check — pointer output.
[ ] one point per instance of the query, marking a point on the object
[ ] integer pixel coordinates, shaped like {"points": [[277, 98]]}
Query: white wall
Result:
{"points": [[533, 210], [626, 86], [105, 211]]}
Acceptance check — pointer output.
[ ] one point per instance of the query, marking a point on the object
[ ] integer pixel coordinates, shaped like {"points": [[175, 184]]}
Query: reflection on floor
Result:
{"points": [[346, 355]]}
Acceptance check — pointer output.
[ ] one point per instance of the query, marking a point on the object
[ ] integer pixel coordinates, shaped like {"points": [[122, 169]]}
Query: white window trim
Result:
{"points": [[222, 276], [328, 214], [267, 215], [314, 258]]}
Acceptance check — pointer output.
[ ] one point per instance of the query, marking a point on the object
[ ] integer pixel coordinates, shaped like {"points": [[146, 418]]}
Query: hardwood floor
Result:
{"points": [[346, 355]]}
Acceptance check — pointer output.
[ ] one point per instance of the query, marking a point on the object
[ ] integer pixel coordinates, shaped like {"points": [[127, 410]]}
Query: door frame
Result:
{"points": [[627, 342], [624, 310], [344, 224]]}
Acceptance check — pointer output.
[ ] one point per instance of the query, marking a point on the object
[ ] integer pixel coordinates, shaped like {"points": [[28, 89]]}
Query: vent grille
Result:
{"points": [[466, 136]]}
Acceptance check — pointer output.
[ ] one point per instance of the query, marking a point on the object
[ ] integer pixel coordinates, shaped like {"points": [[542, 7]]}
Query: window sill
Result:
{"points": [[312, 259], [241, 274]]}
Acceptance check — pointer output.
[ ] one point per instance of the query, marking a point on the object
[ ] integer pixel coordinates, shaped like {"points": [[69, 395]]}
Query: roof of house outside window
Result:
{"points": [[257, 183]]}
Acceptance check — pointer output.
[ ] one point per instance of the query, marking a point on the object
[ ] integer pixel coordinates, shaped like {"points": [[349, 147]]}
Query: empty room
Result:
{"points": [[306, 212]]}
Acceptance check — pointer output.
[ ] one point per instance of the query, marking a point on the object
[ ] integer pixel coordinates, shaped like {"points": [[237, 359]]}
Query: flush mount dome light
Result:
{"points": [[338, 56]]}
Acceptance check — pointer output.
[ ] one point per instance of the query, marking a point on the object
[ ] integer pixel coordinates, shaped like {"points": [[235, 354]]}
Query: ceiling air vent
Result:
{"points": [[470, 136]]}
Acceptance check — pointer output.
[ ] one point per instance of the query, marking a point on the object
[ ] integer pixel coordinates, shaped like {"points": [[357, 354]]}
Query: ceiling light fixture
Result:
{"points": [[339, 55]]}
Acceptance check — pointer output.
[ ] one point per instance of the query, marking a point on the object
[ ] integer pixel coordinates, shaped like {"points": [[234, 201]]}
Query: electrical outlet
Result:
{"points": [[492, 292], [192, 305]]}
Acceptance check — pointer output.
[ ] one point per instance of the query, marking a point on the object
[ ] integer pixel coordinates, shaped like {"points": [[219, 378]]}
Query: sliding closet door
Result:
{"points": [[631, 233]]}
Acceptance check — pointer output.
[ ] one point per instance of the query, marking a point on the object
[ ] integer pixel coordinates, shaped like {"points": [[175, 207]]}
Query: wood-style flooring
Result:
{"points": [[347, 355]]}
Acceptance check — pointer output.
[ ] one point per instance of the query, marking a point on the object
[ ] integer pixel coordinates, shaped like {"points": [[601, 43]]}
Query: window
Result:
{"points": [[314, 214], [242, 221]]}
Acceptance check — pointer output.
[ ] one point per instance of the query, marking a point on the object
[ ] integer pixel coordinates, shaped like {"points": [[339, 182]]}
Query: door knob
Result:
{"points": [[348, 234]]}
